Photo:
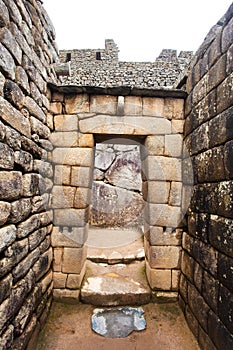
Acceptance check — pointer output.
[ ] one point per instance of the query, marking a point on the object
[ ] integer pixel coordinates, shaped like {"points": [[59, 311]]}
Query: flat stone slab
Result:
{"points": [[118, 322], [112, 289]]}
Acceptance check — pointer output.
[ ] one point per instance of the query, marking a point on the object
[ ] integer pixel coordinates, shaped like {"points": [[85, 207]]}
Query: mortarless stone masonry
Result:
{"points": [[48, 130]]}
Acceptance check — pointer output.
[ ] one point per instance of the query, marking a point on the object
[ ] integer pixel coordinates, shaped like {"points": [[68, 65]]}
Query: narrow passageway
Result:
{"points": [[69, 327]]}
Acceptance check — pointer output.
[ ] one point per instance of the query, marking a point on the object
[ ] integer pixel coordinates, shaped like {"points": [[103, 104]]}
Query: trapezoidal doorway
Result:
{"points": [[155, 126]]}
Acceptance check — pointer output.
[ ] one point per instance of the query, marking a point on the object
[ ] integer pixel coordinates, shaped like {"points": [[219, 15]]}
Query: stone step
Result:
{"points": [[113, 285], [114, 246]]}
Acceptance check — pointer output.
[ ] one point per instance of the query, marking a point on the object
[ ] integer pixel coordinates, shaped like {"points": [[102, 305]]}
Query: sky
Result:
{"points": [[141, 29]]}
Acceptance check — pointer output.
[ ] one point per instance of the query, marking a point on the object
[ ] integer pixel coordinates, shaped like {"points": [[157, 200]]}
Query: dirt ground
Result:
{"points": [[69, 328]]}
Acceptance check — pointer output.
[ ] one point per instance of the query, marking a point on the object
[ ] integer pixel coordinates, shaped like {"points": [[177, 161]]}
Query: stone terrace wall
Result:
{"points": [[206, 286], [86, 70], [27, 51]]}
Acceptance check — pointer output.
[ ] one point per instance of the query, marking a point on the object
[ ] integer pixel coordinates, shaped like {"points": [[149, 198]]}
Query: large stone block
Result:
{"points": [[175, 195], [24, 159], [217, 73], [159, 237], [133, 105], [154, 145], [8, 236], [66, 122], [20, 210], [5, 209], [225, 94], [164, 257], [42, 266], [163, 215], [37, 127], [57, 258], [63, 237], [82, 198], [228, 153], [106, 124], [158, 279], [157, 192], [6, 157], [73, 156], [153, 106], [34, 109], [63, 197], [10, 185], [73, 260], [59, 280], [86, 140], [220, 234], [64, 139], [66, 296], [174, 108], [163, 168], [11, 44], [7, 63], [28, 226], [173, 145], [70, 217], [77, 103], [62, 175], [81, 176], [103, 104], [4, 15], [30, 185], [14, 118], [74, 280]]}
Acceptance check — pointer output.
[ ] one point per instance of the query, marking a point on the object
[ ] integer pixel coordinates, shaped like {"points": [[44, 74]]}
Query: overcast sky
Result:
{"points": [[141, 29]]}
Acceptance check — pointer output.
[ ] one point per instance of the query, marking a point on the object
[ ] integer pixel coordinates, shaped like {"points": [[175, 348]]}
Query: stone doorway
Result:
{"points": [[116, 227]]}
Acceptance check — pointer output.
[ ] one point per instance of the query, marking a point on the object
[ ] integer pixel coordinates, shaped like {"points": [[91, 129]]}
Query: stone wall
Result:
{"points": [[206, 288], [27, 51], [116, 198], [88, 69], [156, 123]]}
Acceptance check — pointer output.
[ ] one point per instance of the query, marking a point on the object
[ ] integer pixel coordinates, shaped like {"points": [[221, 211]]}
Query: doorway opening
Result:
{"points": [[116, 210]]}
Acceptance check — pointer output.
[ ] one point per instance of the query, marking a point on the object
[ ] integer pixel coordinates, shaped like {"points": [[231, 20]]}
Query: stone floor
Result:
{"points": [[69, 327]]}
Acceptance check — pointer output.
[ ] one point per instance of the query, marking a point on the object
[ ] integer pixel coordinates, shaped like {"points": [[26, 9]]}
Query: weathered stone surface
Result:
{"points": [[66, 295], [37, 127], [163, 168], [5, 209], [156, 191], [81, 176], [7, 338], [12, 138], [159, 237], [113, 289], [6, 157], [154, 145], [77, 104], [59, 280], [24, 266], [30, 184], [13, 117], [40, 203], [20, 210], [28, 226], [158, 279], [82, 198], [10, 185], [63, 197], [70, 217], [132, 105], [220, 234], [63, 237], [105, 124], [66, 122], [24, 159], [8, 236], [13, 94], [73, 156], [34, 109], [103, 160], [42, 266], [118, 323], [112, 206], [125, 172], [62, 175], [4, 17], [173, 145], [37, 237], [7, 63], [153, 106], [11, 44], [44, 168], [164, 257], [73, 259], [65, 139], [22, 79]]}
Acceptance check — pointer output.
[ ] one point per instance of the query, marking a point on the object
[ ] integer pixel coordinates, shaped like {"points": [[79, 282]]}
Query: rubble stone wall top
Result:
{"points": [[100, 67]]}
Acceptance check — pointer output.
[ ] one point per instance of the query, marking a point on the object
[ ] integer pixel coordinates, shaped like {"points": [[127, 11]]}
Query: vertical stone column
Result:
{"points": [[162, 190], [73, 163]]}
